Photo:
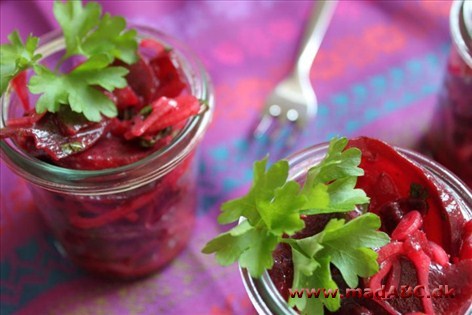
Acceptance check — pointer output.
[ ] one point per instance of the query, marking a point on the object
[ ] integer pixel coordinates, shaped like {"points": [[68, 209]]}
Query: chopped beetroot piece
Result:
{"points": [[314, 224], [47, 137], [27, 121], [418, 239], [405, 304], [172, 178], [164, 68], [411, 222], [138, 126], [170, 80], [390, 250], [8, 132], [355, 306], [21, 89], [171, 89], [389, 176], [457, 222], [458, 277], [118, 152], [282, 271], [29, 145], [375, 282], [142, 80], [119, 127], [159, 109], [172, 196], [466, 248], [467, 229], [70, 123], [125, 97], [185, 107], [394, 277], [178, 126], [422, 263], [438, 255], [392, 212], [86, 222], [152, 46]]}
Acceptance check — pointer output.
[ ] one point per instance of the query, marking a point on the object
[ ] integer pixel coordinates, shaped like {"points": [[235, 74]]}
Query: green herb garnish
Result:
{"points": [[16, 57], [348, 246], [99, 39], [272, 209]]}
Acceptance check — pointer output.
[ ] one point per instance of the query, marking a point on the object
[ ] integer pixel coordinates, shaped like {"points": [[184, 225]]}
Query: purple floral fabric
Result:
{"points": [[378, 73]]}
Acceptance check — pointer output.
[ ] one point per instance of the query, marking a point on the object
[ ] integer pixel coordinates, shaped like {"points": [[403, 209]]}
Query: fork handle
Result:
{"points": [[315, 30]]}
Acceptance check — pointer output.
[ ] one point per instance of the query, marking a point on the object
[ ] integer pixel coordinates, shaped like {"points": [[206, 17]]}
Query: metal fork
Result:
{"points": [[293, 101]]}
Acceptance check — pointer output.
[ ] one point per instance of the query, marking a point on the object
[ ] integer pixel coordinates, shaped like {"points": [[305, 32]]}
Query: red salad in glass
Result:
{"points": [[450, 139], [104, 121], [358, 219]]}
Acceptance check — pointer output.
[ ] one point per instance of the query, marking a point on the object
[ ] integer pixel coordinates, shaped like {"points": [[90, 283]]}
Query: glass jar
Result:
{"points": [[263, 293], [129, 221], [451, 129]]}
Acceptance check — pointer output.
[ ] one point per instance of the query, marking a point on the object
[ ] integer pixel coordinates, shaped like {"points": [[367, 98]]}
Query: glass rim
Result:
{"points": [[456, 20], [262, 292], [192, 132]]}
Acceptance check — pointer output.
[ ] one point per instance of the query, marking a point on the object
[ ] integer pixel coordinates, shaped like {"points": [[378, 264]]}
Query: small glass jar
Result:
{"points": [[450, 139], [263, 293], [129, 221]]}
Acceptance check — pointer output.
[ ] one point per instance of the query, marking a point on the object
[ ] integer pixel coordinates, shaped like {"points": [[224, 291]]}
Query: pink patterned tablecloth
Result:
{"points": [[378, 73]]}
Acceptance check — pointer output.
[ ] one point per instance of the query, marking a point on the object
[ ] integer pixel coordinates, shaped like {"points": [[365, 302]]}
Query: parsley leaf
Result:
{"points": [[271, 208], [77, 88], [329, 186], [258, 257], [262, 196], [338, 163], [253, 247], [356, 257], [281, 214], [88, 35], [16, 57], [230, 245], [321, 279], [111, 38], [76, 22]]}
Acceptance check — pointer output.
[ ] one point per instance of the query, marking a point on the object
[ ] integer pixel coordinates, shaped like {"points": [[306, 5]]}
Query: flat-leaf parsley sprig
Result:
{"points": [[100, 39], [272, 210], [16, 57]]}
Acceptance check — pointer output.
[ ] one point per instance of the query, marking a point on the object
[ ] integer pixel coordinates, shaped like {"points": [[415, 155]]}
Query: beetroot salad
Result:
{"points": [[107, 97], [365, 218], [152, 108]]}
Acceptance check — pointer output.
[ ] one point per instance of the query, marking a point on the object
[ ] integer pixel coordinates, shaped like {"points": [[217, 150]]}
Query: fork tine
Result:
{"points": [[290, 142], [286, 140], [273, 112], [275, 135], [263, 128], [262, 136]]}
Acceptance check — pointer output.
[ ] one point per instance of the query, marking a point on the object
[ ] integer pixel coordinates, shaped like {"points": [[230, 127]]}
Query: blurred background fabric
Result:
{"points": [[378, 73]]}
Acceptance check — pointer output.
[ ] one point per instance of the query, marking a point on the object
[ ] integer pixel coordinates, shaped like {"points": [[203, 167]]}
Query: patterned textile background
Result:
{"points": [[378, 73]]}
